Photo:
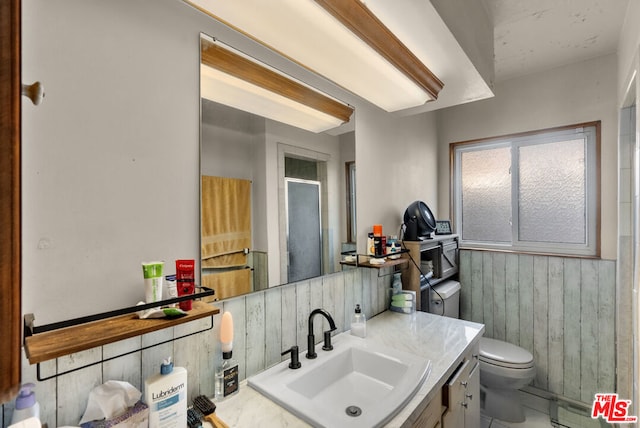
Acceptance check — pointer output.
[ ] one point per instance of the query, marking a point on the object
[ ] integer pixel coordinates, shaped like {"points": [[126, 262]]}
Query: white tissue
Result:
{"points": [[109, 400], [32, 422]]}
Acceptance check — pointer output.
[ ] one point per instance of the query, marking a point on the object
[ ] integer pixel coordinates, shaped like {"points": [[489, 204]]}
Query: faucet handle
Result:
{"points": [[327, 340], [295, 358]]}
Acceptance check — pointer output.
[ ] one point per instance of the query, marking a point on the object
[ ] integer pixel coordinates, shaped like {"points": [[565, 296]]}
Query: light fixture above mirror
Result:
{"points": [[341, 40], [234, 79]]}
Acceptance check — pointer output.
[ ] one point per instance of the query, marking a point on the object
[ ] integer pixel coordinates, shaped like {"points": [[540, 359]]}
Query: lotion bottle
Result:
{"points": [[226, 375], [166, 395], [26, 404], [359, 323]]}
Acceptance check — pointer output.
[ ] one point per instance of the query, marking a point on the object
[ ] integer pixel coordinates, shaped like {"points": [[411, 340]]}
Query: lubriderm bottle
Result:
{"points": [[359, 323], [226, 376], [166, 395]]}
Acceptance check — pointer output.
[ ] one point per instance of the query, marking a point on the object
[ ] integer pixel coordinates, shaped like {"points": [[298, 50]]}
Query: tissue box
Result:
{"points": [[135, 417], [403, 302]]}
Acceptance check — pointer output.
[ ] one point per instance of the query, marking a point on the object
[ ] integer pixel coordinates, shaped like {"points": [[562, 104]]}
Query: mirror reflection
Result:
{"points": [[274, 199]]}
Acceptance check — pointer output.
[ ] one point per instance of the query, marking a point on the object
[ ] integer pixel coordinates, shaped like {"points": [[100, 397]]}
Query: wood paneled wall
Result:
{"points": [[560, 309]]}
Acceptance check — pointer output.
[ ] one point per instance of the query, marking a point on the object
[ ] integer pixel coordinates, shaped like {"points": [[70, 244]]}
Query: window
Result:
{"points": [[536, 191]]}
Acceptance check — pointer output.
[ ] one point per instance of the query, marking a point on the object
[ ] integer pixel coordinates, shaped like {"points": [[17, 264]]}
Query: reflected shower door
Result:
{"points": [[304, 234]]}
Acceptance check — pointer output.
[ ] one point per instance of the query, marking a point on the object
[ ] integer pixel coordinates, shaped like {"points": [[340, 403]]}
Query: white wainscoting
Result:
{"points": [[560, 309], [265, 323]]}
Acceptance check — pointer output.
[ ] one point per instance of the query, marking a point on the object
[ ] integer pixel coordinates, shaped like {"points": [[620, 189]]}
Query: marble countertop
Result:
{"points": [[443, 340]]}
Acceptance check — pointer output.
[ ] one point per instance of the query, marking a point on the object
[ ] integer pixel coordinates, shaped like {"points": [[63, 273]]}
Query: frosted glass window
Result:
{"points": [[552, 192], [536, 191], [486, 195]]}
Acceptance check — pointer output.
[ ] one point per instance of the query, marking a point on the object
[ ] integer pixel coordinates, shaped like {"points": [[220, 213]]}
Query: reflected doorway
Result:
{"points": [[304, 229]]}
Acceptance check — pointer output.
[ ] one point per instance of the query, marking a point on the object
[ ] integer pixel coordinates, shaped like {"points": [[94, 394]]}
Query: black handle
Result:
{"points": [[311, 347], [295, 358], [327, 341]]}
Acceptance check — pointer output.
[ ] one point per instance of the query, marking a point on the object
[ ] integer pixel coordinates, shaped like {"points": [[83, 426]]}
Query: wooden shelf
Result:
{"points": [[387, 263], [53, 344]]}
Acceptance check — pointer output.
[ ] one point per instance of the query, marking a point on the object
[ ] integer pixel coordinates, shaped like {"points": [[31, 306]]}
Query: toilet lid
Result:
{"points": [[504, 354]]}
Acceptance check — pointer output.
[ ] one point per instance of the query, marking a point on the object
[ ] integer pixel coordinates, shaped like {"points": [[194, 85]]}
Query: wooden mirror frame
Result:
{"points": [[10, 191]]}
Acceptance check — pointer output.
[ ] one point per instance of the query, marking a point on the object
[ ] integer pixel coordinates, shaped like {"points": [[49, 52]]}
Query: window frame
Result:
{"points": [[515, 141]]}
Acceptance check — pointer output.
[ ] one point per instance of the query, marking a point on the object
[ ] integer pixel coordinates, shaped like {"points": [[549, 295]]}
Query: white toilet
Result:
{"points": [[504, 368]]}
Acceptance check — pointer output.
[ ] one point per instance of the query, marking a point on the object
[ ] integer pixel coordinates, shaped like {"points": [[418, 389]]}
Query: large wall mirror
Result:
{"points": [[274, 198]]}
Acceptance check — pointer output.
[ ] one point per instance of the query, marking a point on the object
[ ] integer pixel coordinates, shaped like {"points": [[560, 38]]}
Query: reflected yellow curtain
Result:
{"points": [[226, 221], [228, 283]]}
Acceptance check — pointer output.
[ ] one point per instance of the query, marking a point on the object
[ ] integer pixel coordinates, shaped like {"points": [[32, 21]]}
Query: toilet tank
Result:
{"points": [[444, 299]]}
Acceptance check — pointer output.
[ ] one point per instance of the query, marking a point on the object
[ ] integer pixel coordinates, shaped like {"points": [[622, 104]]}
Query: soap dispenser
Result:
{"points": [[359, 323], [26, 404]]}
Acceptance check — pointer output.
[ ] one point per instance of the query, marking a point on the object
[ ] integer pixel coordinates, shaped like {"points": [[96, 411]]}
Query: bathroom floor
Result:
{"points": [[537, 416], [535, 419]]}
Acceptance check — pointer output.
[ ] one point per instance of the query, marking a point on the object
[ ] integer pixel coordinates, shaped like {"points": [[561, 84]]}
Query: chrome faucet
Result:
{"points": [[311, 340]]}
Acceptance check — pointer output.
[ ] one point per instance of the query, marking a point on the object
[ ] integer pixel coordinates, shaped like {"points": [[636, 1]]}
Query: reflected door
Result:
{"points": [[304, 236]]}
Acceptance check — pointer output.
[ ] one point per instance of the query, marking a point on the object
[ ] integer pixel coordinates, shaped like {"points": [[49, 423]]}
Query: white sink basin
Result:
{"points": [[358, 384]]}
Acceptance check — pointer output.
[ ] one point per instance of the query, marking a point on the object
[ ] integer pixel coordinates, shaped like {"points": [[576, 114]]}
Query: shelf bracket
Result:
{"points": [[396, 269], [30, 329], [33, 334], [103, 360]]}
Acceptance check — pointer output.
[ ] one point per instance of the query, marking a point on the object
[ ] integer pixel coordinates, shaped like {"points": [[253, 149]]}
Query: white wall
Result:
{"points": [[110, 158], [110, 174], [538, 293], [628, 48], [581, 92], [396, 165], [229, 141]]}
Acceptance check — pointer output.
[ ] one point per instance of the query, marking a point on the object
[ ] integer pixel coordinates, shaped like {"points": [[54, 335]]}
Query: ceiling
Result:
{"points": [[529, 36], [532, 36]]}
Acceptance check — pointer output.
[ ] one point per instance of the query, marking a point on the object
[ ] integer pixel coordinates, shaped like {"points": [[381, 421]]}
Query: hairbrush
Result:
{"points": [[194, 418], [205, 406]]}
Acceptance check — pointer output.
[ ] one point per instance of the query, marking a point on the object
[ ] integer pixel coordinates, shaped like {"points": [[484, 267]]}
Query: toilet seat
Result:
{"points": [[503, 354]]}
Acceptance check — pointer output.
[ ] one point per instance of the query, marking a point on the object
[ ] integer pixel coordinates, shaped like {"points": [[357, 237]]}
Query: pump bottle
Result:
{"points": [[26, 404], [166, 396], [359, 323]]}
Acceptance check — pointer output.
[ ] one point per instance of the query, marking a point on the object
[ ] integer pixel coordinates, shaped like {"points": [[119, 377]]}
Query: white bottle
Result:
{"points": [[26, 404], [166, 395], [359, 323]]}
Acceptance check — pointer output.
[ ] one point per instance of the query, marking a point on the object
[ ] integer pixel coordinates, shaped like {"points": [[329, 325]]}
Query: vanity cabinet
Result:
{"points": [[431, 417], [437, 258], [461, 394]]}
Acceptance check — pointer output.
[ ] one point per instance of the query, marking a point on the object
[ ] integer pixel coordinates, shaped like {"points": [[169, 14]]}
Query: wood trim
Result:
{"points": [[10, 264], [595, 123], [243, 68], [355, 15]]}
